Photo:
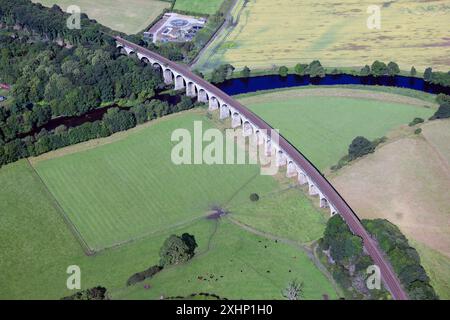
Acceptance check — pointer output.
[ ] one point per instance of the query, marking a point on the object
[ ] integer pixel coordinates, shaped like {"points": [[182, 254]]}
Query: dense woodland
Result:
{"points": [[57, 72]]}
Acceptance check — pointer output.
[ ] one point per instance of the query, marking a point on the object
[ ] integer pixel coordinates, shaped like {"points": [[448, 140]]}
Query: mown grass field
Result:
{"points": [[198, 6], [129, 16], [286, 32], [36, 245], [130, 188], [322, 126]]}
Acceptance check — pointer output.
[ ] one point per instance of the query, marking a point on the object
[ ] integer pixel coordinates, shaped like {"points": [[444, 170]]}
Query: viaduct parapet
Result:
{"points": [[286, 154]]}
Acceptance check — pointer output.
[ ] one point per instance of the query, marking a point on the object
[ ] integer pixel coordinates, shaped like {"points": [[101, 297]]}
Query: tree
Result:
{"points": [[95, 293], [428, 74], [393, 69], [176, 250], [360, 146], [254, 197], [413, 71], [300, 69], [283, 71], [378, 68], [365, 71], [442, 112], [315, 69], [293, 291], [245, 73]]}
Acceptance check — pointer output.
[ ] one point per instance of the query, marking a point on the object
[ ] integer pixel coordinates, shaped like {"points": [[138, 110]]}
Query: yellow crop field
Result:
{"points": [[129, 16], [285, 32]]}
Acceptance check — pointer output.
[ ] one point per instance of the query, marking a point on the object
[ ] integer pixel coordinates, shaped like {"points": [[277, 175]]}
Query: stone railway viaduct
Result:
{"points": [[286, 154]]}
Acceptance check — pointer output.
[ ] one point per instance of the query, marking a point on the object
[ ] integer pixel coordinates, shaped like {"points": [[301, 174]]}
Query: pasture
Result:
{"points": [[130, 188], [323, 122], [286, 32], [37, 247], [129, 16], [198, 6], [236, 264]]}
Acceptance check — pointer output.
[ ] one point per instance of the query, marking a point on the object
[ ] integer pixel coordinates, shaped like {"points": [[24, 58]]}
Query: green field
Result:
{"points": [[322, 127], [237, 265], [198, 6], [129, 16], [37, 245], [265, 33], [136, 176]]}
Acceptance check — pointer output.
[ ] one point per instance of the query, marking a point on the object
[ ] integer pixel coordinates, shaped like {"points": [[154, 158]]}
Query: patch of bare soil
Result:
{"points": [[406, 182]]}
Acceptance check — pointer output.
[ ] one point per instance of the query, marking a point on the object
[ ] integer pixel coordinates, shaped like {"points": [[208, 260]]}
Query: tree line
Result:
{"points": [[348, 261]]}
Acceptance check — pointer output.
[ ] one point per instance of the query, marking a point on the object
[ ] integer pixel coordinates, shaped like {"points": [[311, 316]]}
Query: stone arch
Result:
{"points": [[281, 158], [247, 128], [180, 82], [312, 189], [224, 111], [323, 202], [213, 103], [291, 170], [145, 60], [236, 120], [168, 76], [302, 179], [258, 137], [202, 95], [191, 89]]}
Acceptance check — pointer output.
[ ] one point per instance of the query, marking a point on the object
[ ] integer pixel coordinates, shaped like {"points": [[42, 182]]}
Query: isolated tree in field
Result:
{"points": [[428, 74], [378, 68], [413, 71], [293, 291], [283, 71], [359, 147], [300, 69], [176, 250], [245, 73], [393, 69], [365, 71]]}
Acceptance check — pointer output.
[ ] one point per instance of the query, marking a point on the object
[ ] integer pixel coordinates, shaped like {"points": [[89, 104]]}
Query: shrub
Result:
{"points": [[254, 197], [176, 250], [415, 121], [95, 293], [359, 147], [245, 73], [141, 276], [283, 71], [418, 131]]}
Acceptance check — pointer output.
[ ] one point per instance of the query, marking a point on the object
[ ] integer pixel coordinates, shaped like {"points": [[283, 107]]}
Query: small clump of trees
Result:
{"points": [[359, 147], [95, 293], [222, 73], [443, 111], [314, 69], [175, 250]]}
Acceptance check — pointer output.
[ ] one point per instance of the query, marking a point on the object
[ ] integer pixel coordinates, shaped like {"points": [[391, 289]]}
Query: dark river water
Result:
{"points": [[90, 116], [238, 86]]}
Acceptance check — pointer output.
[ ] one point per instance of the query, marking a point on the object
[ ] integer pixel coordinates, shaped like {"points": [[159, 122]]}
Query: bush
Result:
{"points": [[96, 293], [418, 131], [415, 121], [254, 197], [176, 250], [146, 274], [359, 147], [283, 71]]}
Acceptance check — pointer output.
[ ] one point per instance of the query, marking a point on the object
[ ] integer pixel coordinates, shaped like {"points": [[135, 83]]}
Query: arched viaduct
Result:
{"points": [[286, 154]]}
